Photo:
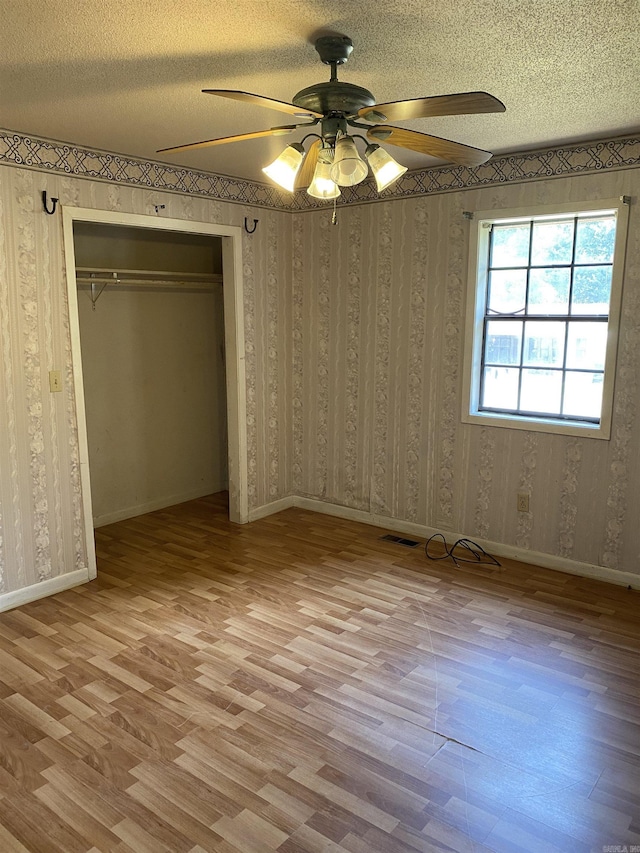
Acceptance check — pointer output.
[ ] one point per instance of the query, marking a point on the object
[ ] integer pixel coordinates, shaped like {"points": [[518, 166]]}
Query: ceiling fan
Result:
{"points": [[333, 159]]}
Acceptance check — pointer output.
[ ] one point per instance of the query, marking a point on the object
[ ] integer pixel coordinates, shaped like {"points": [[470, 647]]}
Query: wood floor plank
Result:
{"points": [[298, 685]]}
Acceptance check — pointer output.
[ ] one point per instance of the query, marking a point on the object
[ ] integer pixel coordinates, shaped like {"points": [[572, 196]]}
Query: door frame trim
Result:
{"points": [[233, 296]]}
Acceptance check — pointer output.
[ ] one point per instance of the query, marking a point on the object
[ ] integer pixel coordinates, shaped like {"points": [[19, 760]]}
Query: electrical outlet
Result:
{"points": [[55, 381], [522, 502]]}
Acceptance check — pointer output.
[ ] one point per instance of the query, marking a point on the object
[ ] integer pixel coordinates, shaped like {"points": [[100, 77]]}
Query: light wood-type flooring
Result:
{"points": [[297, 685]]}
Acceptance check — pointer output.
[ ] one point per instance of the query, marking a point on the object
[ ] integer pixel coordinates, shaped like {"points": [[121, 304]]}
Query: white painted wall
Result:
{"points": [[154, 387], [123, 247]]}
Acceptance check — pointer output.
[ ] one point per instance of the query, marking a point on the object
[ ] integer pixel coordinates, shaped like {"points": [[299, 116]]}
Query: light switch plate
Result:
{"points": [[55, 381]]}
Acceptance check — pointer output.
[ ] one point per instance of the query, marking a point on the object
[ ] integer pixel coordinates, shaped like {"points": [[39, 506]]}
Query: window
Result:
{"points": [[544, 299]]}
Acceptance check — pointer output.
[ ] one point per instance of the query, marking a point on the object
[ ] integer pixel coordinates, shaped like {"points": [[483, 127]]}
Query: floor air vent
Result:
{"points": [[399, 540]]}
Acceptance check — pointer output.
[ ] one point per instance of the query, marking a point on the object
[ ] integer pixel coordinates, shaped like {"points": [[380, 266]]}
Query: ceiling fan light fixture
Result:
{"points": [[385, 169], [337, 106], [284, 169], [322, 186], [348, 167]]}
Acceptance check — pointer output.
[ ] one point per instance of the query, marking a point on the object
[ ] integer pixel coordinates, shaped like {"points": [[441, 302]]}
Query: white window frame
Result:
{"points": [[476, 295]]}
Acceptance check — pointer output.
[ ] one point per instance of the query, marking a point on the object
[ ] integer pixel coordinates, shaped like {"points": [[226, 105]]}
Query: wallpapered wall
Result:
{"points": [[41, 534], [354, 342], [378, 318]]}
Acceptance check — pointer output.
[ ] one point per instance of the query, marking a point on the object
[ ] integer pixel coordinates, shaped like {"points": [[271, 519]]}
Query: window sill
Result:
{"points": [[547, 425]]}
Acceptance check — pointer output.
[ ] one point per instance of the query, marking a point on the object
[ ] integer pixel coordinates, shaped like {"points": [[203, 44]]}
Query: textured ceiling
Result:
{"points": [[126, 75]]}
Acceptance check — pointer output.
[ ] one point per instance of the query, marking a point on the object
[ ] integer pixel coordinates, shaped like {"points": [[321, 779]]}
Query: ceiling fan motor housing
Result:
{"points": [[334, 97]]}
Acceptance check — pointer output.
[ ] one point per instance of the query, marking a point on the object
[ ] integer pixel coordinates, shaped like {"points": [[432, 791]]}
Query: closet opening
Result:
{"points": [[157, 360]]}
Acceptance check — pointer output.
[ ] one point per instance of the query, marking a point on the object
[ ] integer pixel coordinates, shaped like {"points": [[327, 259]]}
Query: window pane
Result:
{"points": [[591, 290], [509, 245], [541, 391], [549, 291], [507, 291], [500, 390], [544, 344], [583, 394], [552, 243], [503, 342], [595, 240], [587, 345], [542, 332]]}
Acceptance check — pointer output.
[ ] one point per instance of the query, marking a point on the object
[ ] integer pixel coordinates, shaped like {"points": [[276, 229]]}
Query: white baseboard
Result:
{"points": [[511, 552], [159, 503], [338, 510], [8, 600], [270, 509]]}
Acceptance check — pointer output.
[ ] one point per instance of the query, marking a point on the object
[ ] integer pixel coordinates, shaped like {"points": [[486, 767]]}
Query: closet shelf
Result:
{"points": [[95, 280], [156, 278]]}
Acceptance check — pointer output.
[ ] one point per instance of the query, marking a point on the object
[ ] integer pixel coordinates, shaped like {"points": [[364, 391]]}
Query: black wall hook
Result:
{"points": [[255, 225], [54, 202]]}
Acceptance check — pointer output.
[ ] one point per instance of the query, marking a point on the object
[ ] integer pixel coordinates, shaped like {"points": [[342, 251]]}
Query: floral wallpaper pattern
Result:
{"points": [[381, 496], [323, 344], [486, 461], [274, 273], [352, 361], [528, 463], [42, 531], [403, 265], [451, 365], [298, 266], [622, 491], [568, 506], [354, 341], [32, 375], [8, 435], [415, 365]]}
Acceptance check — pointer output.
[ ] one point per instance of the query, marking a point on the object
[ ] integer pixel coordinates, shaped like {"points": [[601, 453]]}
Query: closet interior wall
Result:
{"points": [[152, 335]]}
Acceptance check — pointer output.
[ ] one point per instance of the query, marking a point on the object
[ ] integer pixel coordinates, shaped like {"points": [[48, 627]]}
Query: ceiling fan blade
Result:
{"points": [[464, 103], [260, 101], [223, 140], [434, 146], [305, 175]]}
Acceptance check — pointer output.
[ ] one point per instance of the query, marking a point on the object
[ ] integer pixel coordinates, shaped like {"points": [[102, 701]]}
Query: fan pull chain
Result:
{"points": [[334, 216]]}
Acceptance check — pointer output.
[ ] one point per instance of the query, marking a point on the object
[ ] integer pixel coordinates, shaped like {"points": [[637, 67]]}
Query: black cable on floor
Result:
{"points": [[480, 556]]}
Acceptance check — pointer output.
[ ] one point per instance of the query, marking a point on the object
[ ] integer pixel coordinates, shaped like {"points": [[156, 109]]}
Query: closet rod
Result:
{"points": [[193, 283], [94, 273], [150, 283]]}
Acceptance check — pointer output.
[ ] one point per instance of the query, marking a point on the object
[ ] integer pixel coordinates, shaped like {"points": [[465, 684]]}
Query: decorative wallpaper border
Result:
{"points": [[33, 152], [541, 164], [65, 158]]}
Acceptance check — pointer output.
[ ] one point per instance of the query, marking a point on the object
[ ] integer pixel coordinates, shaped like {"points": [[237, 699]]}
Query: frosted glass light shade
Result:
{"points": [[348, 167], [385, 169], [284, 169], [322, 186]]}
